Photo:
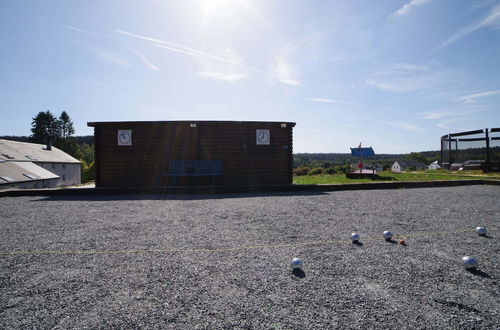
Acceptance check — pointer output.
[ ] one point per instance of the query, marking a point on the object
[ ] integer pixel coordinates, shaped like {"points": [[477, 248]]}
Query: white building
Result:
{"points": [[36, 160], [405, 165], [434, 166], [25, 175]]}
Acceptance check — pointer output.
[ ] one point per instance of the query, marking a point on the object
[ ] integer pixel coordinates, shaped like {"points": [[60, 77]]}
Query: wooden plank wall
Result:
{"points": [[245, 162], [155, 144]]}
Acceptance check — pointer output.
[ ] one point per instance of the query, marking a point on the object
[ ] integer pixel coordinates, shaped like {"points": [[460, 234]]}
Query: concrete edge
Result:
{"points": [[244, 189]]}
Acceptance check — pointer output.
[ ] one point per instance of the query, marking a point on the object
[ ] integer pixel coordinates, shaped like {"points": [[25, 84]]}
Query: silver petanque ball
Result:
{"points": [[297, 263], [355, 237], [469, 262], [387, 234], [481, 231]]}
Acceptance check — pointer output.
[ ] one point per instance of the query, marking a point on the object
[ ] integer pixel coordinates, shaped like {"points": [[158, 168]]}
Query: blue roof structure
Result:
{"points": [[362, 152]]}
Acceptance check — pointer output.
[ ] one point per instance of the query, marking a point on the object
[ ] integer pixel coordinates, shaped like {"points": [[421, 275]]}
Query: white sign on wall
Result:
{"points": [[124, 137], [263, 136]]}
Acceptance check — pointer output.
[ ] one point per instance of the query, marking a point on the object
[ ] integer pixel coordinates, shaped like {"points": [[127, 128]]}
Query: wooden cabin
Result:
{"points": [[157, 154]]}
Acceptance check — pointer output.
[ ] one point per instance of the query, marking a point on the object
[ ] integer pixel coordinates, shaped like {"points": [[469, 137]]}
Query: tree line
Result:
{"points": [[332, 163]]}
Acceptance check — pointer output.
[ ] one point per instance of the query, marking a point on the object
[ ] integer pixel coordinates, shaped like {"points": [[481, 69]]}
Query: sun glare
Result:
{"points": [[219, 9]]}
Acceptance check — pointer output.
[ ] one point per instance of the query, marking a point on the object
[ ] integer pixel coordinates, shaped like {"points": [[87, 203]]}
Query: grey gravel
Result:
{"points": [[343, 285]]}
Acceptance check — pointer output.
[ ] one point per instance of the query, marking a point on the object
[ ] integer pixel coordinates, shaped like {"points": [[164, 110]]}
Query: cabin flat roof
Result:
{"points": [[99, 123]]}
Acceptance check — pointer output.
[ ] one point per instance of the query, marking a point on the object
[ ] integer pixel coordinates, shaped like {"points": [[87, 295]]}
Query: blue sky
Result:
{"points": [[394, 74]]}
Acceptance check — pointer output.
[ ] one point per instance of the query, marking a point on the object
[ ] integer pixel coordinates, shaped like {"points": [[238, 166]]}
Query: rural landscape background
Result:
{"points": [[46, 126]]}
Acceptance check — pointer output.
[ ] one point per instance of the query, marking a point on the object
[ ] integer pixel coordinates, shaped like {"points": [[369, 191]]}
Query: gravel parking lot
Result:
{"points": [[223, 261]]}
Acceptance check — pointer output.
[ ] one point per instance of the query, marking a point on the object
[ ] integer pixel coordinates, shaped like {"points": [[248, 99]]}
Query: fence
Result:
{"points": [[479, 149]]}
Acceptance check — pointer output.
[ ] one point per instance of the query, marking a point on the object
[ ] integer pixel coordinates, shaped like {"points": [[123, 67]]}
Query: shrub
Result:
{"points": [[330, 170], [301, 170], [315, 171], [344, 168], [88, 172]]}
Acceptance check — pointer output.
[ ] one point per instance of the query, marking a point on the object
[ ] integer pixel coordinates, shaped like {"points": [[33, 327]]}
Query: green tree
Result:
{"points": [[301, 170], [45, 128], [88, 172], [418, 156], [87, 153], [69, 146], [66, 125], [330, 170], [316, 171]]}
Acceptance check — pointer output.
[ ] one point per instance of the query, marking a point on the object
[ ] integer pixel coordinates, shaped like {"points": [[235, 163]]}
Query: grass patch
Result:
{"points": [[386, 176]]}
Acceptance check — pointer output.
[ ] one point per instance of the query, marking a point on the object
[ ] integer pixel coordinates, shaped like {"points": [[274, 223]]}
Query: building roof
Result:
{"points": [[16, 172], [410, 163], [95, 124], [32, 152]]}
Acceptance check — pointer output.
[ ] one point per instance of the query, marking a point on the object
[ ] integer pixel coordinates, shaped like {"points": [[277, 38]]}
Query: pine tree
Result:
{"points": [[66, 125], [45, 128]]}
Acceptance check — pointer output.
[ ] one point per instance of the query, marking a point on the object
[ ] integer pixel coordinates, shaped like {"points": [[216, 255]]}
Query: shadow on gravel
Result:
{"points": [[478, 272], [357, 243], [297, 272], [173, 196], [391, 241]]}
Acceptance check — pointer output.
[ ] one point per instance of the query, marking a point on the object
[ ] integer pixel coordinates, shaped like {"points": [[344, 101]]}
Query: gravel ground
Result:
{"points": [[110, 277]]}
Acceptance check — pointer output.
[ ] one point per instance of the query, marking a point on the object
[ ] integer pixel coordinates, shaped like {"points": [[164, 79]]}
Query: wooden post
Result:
{"points": [[487, 165]]}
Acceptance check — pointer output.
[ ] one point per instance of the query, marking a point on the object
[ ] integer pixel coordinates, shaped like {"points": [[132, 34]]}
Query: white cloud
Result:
{"points": [[77, 29], [449, 113], [280, 67], [111, 57], [223, 76], [178, 47], [282, 71], [405, 77], [222, 71], [325, 100], [410, 67], [433, 115], [472, 98], [406, 126], [409, 6], [491, 20], [146, 61], [446, 123]]}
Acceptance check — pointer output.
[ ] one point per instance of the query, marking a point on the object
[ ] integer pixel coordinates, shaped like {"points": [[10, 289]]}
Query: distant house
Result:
{"points": [[406, 165], [30, 165], [378, 167], [434, 166]]}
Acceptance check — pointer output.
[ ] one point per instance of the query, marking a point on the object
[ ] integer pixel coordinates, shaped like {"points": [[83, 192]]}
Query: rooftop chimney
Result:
{"points": [[49, 145]]}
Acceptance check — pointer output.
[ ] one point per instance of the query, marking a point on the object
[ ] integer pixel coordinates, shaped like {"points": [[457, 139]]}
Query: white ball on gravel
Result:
{"points": [[355, 237], [297, 263], [469, 262], [481, 231], [387, 234]]}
